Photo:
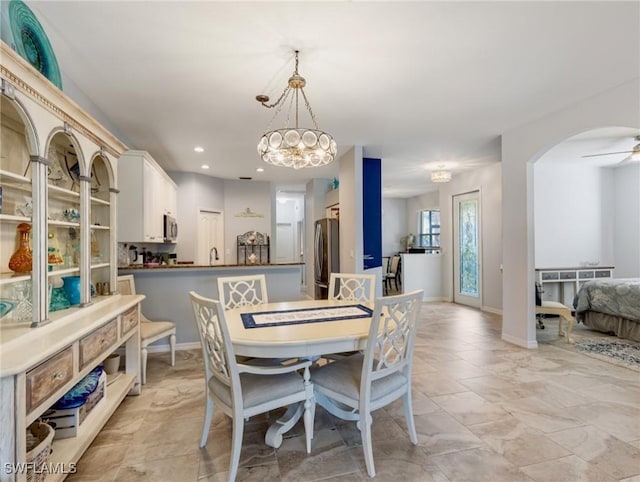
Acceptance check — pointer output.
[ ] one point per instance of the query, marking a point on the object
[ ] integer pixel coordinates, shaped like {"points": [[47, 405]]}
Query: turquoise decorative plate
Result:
{"points": [[30, 41], [78, 395]]}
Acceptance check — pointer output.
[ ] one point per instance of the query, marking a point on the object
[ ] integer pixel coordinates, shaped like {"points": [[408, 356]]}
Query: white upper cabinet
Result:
{"points": [[147, 193]]}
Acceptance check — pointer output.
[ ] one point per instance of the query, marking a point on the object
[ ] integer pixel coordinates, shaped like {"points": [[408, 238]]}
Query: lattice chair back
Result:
{"points": [[352, 287], [126, 285], [237, 291], [391, 338], [217, 350]]}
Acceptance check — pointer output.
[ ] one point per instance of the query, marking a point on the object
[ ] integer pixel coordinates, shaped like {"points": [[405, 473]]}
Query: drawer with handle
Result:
{"points": [[129, 320], [49, 376], [93, 345]]}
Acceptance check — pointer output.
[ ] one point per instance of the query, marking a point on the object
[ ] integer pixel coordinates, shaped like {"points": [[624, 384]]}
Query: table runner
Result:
{"points": [[304, 315]]}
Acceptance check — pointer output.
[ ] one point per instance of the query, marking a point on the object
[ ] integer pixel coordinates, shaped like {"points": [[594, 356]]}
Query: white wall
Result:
{"points": [[351, 232], [627, 221], [196, 191], [238, 196], [488, 181], [572, 207], [428, 200], [394, 224], [520, 148]]}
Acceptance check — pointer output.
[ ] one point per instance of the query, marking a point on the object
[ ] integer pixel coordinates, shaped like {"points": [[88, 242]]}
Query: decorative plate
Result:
{"points": [[30, 41], [78, 395]]}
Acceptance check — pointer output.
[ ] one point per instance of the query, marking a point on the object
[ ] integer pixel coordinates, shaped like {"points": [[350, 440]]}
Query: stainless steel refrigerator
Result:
{"points": [[326, 242]]}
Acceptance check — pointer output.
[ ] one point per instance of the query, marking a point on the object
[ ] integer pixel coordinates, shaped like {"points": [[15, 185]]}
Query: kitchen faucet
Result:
{"points": [[213, 256]]}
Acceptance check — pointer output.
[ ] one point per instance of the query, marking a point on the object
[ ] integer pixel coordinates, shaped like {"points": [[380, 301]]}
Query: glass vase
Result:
{"points": [[24, 309], [20, 261]]}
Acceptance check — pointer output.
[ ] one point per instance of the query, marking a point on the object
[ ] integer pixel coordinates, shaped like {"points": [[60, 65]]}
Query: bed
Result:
{"points": [[610, 306]]}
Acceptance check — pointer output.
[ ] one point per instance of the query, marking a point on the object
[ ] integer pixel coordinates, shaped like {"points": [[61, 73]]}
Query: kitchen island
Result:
{"points": [[167, 287]]}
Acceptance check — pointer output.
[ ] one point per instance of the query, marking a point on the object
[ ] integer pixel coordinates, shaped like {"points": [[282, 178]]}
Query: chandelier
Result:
{"points": [[294, 146], [440, 176]]}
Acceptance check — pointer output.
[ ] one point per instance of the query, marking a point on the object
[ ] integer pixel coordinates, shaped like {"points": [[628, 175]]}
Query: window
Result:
{"points": [[429, 234]]}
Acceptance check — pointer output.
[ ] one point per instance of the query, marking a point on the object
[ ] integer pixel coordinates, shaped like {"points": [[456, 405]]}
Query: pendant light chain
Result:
{"points": [[295, 147]]}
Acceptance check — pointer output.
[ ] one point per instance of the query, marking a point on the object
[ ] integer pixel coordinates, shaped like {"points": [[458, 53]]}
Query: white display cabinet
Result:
{"points": [[58, 174]]}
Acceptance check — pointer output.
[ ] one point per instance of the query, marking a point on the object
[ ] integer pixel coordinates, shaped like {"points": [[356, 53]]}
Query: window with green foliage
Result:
{"points": [[429, 235]]}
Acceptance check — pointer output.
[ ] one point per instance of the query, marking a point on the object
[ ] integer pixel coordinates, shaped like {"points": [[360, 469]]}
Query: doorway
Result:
{"points": [[210, 250], [467, 250]]}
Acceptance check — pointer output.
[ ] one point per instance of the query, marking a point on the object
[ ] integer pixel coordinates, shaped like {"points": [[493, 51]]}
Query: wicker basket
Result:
{"points": [[39, 439]]}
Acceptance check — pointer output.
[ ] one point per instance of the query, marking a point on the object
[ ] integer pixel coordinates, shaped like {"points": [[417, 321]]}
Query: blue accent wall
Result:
{"points": [[372, 211]]}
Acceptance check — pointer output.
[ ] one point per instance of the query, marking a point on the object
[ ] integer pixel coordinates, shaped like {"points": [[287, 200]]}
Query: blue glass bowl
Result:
{"points": [[78, 395]]}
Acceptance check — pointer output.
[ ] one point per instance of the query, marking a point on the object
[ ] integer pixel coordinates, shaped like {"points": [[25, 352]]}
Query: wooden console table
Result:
{"points": [[39, 365]]}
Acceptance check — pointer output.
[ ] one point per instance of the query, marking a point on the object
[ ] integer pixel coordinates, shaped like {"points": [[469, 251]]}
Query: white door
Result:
{"points": [[210, 238], [285, 249], [467, 250]]}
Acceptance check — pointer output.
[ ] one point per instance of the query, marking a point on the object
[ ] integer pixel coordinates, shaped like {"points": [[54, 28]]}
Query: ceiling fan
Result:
{"points": [[635, 152]]}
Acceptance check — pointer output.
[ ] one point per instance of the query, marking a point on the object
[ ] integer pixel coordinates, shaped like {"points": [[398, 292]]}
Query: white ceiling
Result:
{"points": [[418, 84]]}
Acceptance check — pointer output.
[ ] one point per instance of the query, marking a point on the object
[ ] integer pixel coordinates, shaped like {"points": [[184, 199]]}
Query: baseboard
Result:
{"points": [[167, 348], [520, 342], [495, 311], [434, 298]]}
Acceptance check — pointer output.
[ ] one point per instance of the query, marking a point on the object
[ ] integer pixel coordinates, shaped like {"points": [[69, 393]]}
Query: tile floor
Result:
{"points": [[485, 410]]}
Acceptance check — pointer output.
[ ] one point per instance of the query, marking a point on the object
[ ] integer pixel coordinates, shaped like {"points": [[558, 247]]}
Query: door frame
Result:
{"points": [[458, 297]]}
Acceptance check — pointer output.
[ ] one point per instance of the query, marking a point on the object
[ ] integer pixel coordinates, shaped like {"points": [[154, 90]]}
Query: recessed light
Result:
{"points": [[198, 149], [260, 169], [205, 166]]}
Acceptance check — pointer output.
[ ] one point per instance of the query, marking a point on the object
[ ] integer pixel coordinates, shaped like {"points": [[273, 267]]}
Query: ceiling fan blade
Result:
{"points": [[607, 154]]}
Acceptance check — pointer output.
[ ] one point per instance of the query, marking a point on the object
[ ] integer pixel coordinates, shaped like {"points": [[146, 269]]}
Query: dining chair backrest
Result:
{"points": [[217, 350], [352, 287], [394, 262], [390, 343], [236, 291]]}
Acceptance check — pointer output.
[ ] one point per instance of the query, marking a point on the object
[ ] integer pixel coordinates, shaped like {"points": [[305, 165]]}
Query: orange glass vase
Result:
{"points": [[21, 260]]}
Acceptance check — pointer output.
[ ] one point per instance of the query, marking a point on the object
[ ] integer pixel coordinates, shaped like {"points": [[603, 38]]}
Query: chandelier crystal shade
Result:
{"points": [[440, 176], [295, 147]]}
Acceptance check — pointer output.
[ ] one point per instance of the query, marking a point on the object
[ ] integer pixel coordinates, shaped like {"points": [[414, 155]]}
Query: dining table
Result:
{"points": [[304, 329]]}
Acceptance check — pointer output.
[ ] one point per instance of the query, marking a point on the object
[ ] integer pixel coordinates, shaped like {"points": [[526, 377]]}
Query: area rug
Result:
{"points": [[607, 348], [620, 352]]}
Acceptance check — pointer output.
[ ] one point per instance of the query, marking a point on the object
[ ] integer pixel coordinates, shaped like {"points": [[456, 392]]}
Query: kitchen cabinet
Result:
{"points": [[147, 193]]}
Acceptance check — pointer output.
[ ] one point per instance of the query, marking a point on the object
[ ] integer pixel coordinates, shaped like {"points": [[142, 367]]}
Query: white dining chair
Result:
{"points": [[355, 386], [352, 287], [150, 330], [236, 291], [242, 391]]}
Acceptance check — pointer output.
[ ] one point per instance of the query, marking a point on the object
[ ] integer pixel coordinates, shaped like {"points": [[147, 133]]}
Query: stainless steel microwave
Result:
{"points": [[170, 228]]}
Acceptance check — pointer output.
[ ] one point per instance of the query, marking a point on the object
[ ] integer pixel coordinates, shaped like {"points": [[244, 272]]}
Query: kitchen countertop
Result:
{"points": [[200, 266]]}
